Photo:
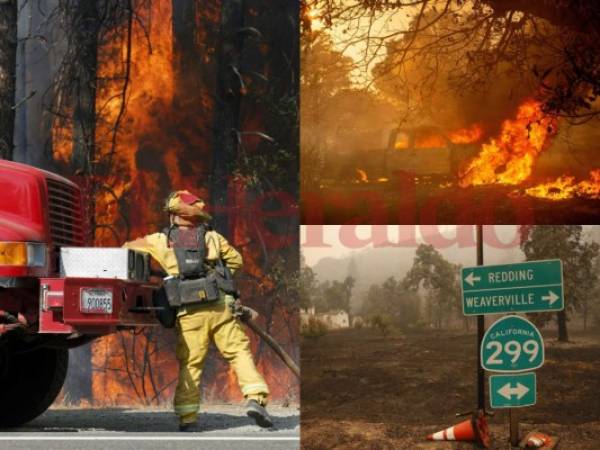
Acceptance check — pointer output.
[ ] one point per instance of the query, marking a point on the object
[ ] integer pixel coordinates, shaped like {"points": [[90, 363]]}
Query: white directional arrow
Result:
{"points": [[507, 392], [472, 279], [551, 297]]}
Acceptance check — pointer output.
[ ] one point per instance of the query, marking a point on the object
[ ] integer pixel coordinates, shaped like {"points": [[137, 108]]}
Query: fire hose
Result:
{"points": [[166, 316], [248, 316]]}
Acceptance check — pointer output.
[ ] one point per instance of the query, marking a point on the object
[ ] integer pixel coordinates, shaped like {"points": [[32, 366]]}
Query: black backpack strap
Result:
{"points": [[201, 236], [168, 232], [188, 269]]}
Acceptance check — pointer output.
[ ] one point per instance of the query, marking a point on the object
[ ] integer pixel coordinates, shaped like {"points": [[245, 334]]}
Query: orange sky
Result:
{"points": [[342, 33]]}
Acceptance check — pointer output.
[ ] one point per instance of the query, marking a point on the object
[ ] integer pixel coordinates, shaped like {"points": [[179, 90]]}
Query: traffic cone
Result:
{"points": [[538, 440], [471, 430], [481, 426]]}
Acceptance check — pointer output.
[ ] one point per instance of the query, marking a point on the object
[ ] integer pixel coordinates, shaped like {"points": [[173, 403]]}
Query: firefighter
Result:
{"points": [[189, 250]]}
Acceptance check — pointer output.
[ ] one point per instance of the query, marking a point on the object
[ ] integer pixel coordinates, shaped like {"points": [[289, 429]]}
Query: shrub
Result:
{"points": [[314, 328], [380, 323]]}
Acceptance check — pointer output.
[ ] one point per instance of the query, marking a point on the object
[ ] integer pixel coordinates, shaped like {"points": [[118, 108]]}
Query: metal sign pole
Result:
{"points": [[480, 331], [514, 427]]}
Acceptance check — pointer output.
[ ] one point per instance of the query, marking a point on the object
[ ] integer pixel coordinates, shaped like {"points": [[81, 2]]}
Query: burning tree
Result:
{"points": [[325, 75], [148, 96], [551, 42], [564, 242]]}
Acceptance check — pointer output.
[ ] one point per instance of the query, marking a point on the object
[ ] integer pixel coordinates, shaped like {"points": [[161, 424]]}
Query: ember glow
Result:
{"points": [[509, 158], [361, 176], [566, 187]]}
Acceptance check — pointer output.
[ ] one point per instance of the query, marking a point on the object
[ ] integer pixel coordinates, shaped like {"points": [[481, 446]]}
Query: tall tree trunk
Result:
{"points": [[227, 117], [561, 318], [8, 62], [85, 26]]}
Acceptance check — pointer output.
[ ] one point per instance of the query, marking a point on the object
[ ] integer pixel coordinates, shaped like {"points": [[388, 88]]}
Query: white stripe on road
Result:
{"points": [[149, 438]]}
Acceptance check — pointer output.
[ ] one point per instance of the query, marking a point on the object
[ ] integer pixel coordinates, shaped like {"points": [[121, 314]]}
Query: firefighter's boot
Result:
{"points": [[258, 412], [188, 427]]}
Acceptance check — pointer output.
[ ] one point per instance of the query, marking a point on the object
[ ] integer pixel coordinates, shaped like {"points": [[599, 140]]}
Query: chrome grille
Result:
{"points": [[64, 213]]}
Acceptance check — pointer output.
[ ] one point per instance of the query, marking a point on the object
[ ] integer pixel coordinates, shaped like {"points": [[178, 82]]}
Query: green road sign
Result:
{"points": [[512, 344], [534, 286], [512, 391]]}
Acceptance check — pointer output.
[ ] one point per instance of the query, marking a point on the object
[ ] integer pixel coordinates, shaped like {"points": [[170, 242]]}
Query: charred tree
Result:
{"points": [[194, 38], [230, 88], [8, 61], [83, 27], [268, 153]]}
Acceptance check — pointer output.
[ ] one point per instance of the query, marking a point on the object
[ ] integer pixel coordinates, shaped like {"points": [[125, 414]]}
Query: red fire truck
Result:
{"points": [[44, 311]]}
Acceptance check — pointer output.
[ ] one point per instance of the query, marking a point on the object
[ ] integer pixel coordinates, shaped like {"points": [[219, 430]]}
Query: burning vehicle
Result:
{"points": [[427, 153], [55, 295], [524, 166]]}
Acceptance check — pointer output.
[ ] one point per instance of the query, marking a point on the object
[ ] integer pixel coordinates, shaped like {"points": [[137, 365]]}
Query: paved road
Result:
{"points": [[219, 428]]}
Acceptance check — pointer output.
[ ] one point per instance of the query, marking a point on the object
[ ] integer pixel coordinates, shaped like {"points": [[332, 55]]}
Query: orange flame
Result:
{"points": [[361, 176], [466, 135], [430, 141], [565, 187], [509, 158]]}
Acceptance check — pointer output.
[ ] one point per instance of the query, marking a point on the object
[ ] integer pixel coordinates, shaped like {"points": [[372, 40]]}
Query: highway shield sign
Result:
{"points": [[533, 286], [512, 344], [512, 391]]}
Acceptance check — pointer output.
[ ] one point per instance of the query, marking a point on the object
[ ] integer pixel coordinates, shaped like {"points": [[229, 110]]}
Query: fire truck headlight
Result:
{"points": [[22, 254], [36, 255]]}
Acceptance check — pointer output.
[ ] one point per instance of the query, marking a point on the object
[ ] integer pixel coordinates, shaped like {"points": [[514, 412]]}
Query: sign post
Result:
{"points": [[480, 332], [512, 344], [534, 286], [512, 391]]}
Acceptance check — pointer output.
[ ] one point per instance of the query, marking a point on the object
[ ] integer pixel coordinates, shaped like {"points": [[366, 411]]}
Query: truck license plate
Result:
{"points": [[96, 301]]}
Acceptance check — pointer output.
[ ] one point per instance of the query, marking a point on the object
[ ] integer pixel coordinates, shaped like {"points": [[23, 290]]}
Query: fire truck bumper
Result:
{"points": [[94, 305]]}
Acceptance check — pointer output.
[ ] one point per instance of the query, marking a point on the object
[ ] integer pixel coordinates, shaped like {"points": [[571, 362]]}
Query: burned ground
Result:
{"points": [[406, 203], [361, 390]]}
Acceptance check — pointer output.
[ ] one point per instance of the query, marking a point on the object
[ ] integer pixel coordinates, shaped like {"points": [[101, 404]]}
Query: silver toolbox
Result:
{"points": [[94, 262]]}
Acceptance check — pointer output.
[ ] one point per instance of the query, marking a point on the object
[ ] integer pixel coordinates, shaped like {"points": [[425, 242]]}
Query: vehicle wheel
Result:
{"points": [[30, 383]]}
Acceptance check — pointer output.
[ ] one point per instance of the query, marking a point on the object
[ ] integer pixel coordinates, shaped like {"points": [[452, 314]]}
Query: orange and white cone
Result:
{"points": [[538, 440], [463, 431], [471, 430]]}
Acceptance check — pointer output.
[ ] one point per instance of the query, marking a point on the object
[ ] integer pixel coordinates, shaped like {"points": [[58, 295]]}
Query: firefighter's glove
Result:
{"points": [[237, 309]]}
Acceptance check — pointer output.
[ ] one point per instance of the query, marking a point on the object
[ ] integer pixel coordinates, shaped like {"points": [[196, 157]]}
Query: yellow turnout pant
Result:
{"points": [[196, 327]]}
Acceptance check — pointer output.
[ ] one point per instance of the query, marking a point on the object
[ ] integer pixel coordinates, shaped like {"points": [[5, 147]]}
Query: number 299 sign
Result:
{"points": [[512, 344]]}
